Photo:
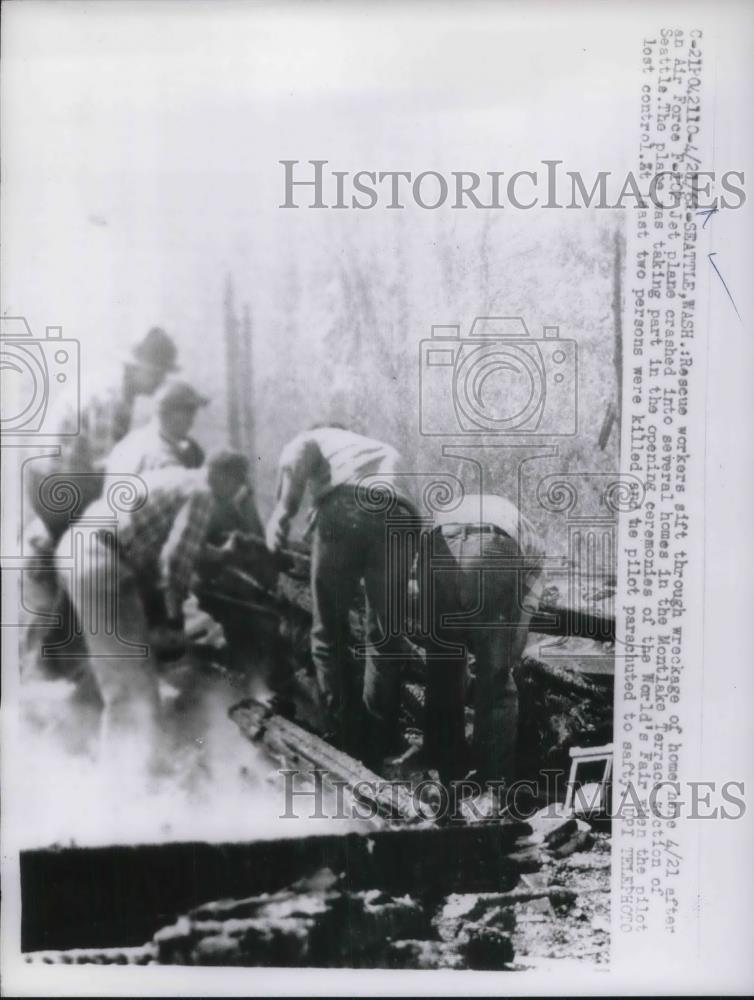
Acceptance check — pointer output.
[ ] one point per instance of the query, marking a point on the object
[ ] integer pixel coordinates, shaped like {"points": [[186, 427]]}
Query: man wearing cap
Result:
{"points": [[103, 416], [158, 535], [481, 579], [61, 486], [162, 443], [165, 440], [349, 546]]}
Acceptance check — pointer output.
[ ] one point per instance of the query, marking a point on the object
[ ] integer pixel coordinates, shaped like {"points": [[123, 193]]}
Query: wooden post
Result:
{"points": [[246, 384], [232, 365]]}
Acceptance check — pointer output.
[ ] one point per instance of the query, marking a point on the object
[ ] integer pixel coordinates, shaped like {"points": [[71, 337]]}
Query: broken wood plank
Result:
{"points": [[295, 744], [557, 894]]}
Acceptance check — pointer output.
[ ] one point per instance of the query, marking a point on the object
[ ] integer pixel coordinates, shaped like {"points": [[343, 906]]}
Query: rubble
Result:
{"points": [[579, 861], [570, 934], [487, 948], [554, 827], [296, 746], [580, 841], [144, 955], [564, 680], [479, 894], [325, 927], [321, 920], [461, 908], [334, 927], [116, 895], [423, 955]]}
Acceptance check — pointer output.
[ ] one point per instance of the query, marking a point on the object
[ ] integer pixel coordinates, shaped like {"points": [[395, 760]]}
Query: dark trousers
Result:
{"points": [[350, 547], [477, 604]]}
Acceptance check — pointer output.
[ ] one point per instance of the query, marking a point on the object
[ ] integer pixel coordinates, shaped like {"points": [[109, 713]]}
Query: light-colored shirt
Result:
{"points": [[489, 508], [328, 457], [146, 448]]}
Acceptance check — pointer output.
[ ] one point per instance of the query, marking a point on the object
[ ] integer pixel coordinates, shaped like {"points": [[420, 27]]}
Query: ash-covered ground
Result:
{"points": [[218, 787], [559, 913]]}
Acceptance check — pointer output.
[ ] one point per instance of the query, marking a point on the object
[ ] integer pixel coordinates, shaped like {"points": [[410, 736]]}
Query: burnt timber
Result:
{"points": [[120, 895]]}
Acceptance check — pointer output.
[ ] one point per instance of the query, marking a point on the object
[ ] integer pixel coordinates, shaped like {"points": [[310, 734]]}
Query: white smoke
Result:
{"points": [[215, 785]]}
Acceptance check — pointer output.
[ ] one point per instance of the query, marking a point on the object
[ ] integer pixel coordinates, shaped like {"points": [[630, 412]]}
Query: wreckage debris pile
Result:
{"points": [[555, 905], [560, 906], [565, 694]]}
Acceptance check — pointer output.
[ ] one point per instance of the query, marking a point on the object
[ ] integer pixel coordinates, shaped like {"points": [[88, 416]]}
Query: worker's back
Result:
{"points": [[330, 457]]}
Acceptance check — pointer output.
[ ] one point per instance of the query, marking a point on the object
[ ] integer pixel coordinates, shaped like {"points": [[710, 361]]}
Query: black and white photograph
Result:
{"points": [[374, 505]]}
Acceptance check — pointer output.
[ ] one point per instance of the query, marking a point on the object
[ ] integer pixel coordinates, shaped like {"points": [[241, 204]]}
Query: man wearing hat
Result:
{"points": [[103, 416], [165, 440], [59, 487]]}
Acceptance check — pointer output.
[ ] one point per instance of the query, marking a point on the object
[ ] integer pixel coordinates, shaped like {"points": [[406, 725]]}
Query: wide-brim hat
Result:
{"points": [[155, 350]]}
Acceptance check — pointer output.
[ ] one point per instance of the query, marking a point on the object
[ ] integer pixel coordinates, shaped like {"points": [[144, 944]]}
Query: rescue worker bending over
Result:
{"points": [[348, 547], [482, 579], [159, 537]]}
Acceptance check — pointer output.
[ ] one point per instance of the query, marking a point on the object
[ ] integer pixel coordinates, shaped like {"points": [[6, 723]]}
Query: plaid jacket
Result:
{"points": [[163, 537]]}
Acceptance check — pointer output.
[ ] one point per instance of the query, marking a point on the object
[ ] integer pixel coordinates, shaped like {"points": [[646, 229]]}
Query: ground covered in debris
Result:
{"points": [[580, 930], [565, 682], [561, 911], [557, 909]]}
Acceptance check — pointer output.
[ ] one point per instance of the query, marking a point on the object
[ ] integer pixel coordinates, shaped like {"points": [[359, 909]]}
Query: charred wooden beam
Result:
{"points": [[298, 746], [121, 895], [574, 621], [557, 894], [144, 955]]}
